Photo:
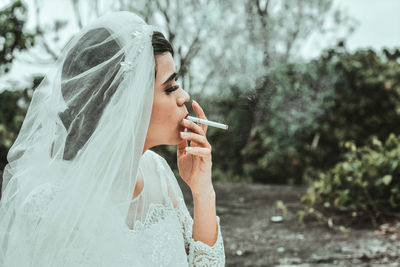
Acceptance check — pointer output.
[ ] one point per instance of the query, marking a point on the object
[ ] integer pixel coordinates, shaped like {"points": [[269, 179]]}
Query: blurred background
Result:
{"points": [[309, 168]]}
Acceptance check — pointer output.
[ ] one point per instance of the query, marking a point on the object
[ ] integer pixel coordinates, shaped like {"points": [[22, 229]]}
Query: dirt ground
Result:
{"points": [[252, 239]]}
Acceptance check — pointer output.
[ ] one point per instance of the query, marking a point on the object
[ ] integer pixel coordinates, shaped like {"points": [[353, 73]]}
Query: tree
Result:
{"points": [[13, 39], [12, 108], [169, 16], [278, 29]]}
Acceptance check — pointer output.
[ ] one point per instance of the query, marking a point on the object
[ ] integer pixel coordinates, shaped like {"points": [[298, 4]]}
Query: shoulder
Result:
{"points": [[168, 177], [153, 154], [159, 160], [163, 167]]}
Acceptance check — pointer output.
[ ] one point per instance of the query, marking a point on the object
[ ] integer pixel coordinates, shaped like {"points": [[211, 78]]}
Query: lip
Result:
{"points": [[182, 127], [184, 117]]}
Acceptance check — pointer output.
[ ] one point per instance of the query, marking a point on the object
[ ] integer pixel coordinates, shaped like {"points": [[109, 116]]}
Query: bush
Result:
{"points": [[366, 184], [311, 108]]}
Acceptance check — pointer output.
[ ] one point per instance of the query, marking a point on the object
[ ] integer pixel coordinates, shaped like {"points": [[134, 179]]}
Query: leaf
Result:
{"points": [[281, 206], [346, 166], [387, 179], [376, 142], [330, 223], [300, 216]]}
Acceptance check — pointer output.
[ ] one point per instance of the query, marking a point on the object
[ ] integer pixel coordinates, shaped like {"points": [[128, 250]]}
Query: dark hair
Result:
{"points": [[160, 45], [80, 59]]}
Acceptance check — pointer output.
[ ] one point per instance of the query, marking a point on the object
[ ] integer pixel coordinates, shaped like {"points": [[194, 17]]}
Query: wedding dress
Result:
{"points": [[68, 188]]}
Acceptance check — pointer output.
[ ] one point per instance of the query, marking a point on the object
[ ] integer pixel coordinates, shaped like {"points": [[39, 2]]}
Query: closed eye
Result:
{"points": [[171, 89]]}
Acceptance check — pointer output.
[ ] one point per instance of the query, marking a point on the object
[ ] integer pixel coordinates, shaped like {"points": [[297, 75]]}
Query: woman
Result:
{"points": [[82, 187]]}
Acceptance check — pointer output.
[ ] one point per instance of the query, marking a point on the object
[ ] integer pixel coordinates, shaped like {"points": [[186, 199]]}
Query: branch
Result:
{"points": [[164, 11], [40, 32], [77, 13]]}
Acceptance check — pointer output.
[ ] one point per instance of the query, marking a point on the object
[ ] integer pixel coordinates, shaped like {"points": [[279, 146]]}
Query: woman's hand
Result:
{"points": [[195, 164]]}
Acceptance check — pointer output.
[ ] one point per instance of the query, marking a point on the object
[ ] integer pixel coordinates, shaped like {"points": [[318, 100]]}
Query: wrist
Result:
{"points": [[204, 194]]}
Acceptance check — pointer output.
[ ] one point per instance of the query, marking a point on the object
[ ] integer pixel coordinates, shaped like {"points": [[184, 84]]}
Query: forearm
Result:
{"points": [[205, 227]]}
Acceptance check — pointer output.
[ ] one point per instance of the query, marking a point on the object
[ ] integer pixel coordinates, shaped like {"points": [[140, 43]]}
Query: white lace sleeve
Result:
{"points": [[200, 254]]}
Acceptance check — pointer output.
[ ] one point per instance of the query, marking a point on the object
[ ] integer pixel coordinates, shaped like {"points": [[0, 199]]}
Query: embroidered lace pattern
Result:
{"points": [[164, 235], [200, 254]]}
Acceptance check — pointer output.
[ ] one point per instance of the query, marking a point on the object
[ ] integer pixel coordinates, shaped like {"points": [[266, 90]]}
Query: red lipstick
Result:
{"points": [[186, 116]]}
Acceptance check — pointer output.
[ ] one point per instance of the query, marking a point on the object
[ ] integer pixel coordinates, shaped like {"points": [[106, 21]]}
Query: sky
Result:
{"points": [[379, 22], [378, 27]]}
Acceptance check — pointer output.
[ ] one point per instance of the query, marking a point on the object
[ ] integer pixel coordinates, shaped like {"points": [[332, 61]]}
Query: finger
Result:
{"points": [[200, 114], [191, 125], [181, 145], [199, 151], [201, 139]]}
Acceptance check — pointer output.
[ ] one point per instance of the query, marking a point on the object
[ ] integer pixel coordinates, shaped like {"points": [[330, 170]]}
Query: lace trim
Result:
{"points": [[155, 214], [163, 240], [200, 254]]}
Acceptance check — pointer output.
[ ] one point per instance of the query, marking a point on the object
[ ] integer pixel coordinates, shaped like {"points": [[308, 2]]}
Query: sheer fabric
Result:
{"points": [[68, 186], [165, 234]]}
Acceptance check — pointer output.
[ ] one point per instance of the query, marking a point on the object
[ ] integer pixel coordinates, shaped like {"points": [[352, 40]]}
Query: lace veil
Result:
{"points": [[71, 173]]}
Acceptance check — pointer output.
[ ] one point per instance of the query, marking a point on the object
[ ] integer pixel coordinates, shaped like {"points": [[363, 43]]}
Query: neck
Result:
{"points": [[146, 146]]}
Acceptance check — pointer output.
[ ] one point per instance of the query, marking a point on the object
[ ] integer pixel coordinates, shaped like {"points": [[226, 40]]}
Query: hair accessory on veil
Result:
{"points": [[141, 35], [136, 33], [127, 65]]}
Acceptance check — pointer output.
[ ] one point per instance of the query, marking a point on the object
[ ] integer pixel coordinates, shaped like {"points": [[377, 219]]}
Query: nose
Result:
{"points": [[184, 98]]}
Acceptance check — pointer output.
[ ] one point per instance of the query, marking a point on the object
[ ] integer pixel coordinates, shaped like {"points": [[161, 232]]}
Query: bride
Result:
{"points": [[82, 187]]}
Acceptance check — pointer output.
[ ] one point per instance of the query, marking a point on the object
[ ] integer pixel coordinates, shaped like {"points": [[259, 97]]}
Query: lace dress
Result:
{"points": [[165, 234]]}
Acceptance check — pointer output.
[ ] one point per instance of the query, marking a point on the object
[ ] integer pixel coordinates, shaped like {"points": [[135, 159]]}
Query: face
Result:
{"points": [[168, 105]]}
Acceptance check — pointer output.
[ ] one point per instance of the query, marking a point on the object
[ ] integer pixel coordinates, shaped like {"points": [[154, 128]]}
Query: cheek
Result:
{"points": [[163, 111]]}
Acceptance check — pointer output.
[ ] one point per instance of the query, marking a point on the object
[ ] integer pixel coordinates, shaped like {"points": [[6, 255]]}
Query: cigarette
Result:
{"points": [[207, 122]]}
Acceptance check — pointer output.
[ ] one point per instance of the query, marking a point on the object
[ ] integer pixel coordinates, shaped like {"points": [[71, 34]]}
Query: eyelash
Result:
{"points": [[172, 88]]}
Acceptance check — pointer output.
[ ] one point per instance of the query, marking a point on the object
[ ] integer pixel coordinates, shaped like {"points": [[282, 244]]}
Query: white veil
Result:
{"points": [[73, 168]]}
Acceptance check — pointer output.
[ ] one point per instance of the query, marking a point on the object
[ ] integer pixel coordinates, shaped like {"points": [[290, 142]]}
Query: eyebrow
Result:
{"points": [[170, 78]]}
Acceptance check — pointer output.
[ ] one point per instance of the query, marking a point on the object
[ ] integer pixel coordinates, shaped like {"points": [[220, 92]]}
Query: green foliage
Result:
{"points": [[234, 110], [297, 95], [366, 102], [279, 205], [13, 103], [11, 118], [310, 108], [365, 184], [13, 107], [12, 37]]}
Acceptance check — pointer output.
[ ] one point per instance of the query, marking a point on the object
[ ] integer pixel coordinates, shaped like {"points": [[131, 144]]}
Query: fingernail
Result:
{"points": [[186, 116], [183, 134], [188, 148]]}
